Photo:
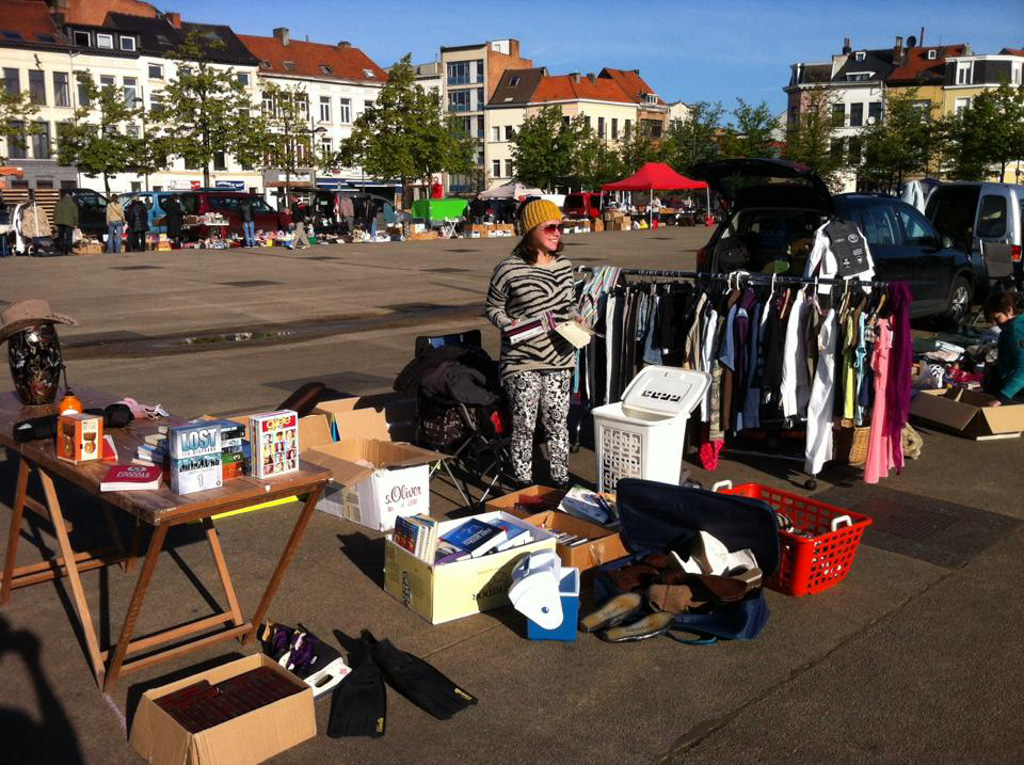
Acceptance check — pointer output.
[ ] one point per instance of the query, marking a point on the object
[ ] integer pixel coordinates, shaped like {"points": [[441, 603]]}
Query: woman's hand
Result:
{"points": [[994, 402]]}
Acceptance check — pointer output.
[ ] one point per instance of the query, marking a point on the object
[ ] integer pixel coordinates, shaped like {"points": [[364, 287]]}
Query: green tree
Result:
{"points": [[989, 133], [16, 114], [900, 144], [809, 139], [693, 140], [405, 135], [751, 132], [96, 139], [284, 136], [206, 109], [544, 148], [595, 161], [637, 149]]}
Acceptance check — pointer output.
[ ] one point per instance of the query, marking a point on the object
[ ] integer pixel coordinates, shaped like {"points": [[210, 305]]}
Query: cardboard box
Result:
{"points": [[387, 416], [374, 481], [461, 588], [967, 413], [543, 498], [597, 226], [604, 545], [252, 737], [478, 229], [79, 437]]}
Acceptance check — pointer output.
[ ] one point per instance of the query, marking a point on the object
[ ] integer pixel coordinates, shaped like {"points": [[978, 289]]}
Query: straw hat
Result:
{"points": [[24, 313]]}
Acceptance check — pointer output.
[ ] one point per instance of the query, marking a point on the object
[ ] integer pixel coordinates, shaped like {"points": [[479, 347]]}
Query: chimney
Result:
{"points": [[174, 19], [281, 33], [897, 50], [344, 44], [513, 47], [575, 76], [920, 40], [590, 76], [846, 46]]}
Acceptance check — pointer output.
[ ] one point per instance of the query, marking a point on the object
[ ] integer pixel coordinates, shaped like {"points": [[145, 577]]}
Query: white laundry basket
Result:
{"points": [[643, 435]]}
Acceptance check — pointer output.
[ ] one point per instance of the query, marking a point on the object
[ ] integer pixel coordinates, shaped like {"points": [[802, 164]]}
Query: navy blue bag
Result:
{"points": [[658, 517]]}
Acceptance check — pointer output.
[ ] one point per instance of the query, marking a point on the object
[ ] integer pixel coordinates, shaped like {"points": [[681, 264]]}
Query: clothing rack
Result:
{"points": [[751, 277]]}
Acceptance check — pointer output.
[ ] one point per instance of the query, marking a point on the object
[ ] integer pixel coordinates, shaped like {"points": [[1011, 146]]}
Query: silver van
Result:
{"points": [[985, 220]]}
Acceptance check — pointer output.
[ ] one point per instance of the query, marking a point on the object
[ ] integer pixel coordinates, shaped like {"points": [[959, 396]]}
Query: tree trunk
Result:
{"points": [[206, 175]]}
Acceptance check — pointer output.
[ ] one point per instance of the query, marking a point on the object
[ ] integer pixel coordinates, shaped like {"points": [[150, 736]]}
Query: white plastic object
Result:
{"points": [[841, 519], [534, 592], [643, 435], [726, 484]]}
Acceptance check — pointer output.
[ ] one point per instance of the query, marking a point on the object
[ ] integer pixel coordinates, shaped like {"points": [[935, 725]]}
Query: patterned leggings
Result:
{"points": [[548, 392]]}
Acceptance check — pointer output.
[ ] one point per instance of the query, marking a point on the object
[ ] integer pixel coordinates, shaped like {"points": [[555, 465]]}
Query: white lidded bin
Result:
{"points": [[643, 435]]}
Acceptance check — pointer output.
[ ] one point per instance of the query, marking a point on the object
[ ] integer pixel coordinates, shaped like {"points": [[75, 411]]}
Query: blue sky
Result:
{"points": [[692, 51]]}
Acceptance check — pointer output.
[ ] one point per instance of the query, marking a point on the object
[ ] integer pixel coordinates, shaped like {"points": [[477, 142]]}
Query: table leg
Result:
{"points": [[282, 565], [81, 605], [156, 544], [115, 534], [17, 513], [133, 549], [222, 569]]}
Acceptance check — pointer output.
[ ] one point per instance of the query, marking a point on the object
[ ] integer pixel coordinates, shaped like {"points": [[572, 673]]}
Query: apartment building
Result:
{"points": [[968, 75], [335, 84], [471, 74]]}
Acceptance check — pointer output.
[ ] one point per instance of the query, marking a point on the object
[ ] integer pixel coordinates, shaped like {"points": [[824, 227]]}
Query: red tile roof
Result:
{"points": [[307, 57], [26, 17], [1013, 51], [564, 87], [632, 84], [93, 12], [917, 67]]}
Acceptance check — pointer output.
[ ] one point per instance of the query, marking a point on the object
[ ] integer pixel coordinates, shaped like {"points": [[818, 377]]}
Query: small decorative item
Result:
{"points": [[33, 349]]}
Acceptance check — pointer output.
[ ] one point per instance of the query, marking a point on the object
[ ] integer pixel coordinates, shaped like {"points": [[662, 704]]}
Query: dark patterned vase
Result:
{"points": [[36, 363]]}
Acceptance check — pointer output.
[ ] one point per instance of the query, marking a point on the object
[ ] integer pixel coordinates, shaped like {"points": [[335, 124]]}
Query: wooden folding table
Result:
{"points": [[161, 510]]}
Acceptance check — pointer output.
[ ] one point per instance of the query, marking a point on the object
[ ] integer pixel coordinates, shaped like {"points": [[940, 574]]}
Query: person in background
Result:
{"points": [[5, 228], [174, 216], [115, 225], [137, 217], [66, 217], [245, 212], [1006, 379], [346, 212], [35, 225], [301, 241], [536, 372]]}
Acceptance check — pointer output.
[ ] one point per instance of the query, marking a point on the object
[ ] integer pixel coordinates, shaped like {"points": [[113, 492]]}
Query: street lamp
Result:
{"points": [[139, 102]]}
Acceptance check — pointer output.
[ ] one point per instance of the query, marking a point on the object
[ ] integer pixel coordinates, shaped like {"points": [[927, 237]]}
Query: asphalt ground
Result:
{"points": [[915, 657]]}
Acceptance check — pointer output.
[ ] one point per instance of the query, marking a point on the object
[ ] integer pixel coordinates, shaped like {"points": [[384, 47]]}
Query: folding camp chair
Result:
{"points": [[475, 439]]}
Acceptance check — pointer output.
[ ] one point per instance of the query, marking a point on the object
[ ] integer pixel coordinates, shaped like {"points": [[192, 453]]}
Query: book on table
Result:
{"points": [[475, 537], [515, 535], [132, 478]]}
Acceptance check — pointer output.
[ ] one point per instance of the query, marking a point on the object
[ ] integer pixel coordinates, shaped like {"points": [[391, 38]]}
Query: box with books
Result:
{"points": [[580, 543], [418, 535], [274, 443], [527, 502], [457, 584], [195, 462]]}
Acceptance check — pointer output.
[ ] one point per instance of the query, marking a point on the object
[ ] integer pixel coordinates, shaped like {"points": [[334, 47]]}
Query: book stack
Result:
{"points": [[153, 450], [234, 448], [132, 478], [590, 506], [475, 538], [418, 535], [195, 457]]}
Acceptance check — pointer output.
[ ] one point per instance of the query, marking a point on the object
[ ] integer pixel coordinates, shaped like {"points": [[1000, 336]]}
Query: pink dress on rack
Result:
{"points": [[880, 458]]}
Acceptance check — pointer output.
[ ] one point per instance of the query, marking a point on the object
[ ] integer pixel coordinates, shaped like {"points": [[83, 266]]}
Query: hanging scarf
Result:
{"points": [[897, 392]]}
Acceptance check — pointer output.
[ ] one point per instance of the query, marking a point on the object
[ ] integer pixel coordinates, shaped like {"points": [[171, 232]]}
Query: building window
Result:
{"points": [[104, 40], [962, 104], [600, 127], [615, 128], [838, 115], [325, 108], [874, 112], [83, 91], [859, 55], [220, 161], [458, 101], [856, 115], [367, 105], [41, 141], [479, 98], [12, 81], [346, 111], [243, 79], [131, 90], [964, 72], [37, 86], [496, 168], [132, 131], [156, 103], [268, 106], [925, 107], [264, 64], [369, 74], [61, 89], [127, 43], [82, 38], [16, 147], [480, 158], [467, 126], [479, 70], [853, 149], [156, 72], [509, 169], [513, 81], [107, 81], [586, 119], [326, 146], [627, 128], [303, 103], [480, 126], [289, 66], [326, 69], [933, 54], [496, 134], [835, 148], [458, 73]]}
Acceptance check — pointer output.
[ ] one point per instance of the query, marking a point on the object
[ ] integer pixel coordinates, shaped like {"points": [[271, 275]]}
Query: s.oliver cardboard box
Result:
{"points": [[461, 588], [968, 413], [252, 737]]}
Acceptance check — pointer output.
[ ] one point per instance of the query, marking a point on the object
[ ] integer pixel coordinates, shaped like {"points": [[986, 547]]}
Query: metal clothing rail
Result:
{"points": [[739, 276]]}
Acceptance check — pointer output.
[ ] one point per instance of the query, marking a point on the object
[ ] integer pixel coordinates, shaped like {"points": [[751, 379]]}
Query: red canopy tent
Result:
{"points": [[656, 175]]}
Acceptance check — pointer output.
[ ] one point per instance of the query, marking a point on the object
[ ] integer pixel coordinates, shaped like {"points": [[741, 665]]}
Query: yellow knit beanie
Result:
{"points": [[536, 212]]}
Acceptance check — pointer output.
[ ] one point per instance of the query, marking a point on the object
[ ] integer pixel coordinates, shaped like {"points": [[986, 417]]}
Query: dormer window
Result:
{"points": [[265, 64], [368, 73], [326, 69], [933, 54], [104, 40], [860, 55], [513, 81], [289, 66], [82, 38], [652, 98], [127, 43]]}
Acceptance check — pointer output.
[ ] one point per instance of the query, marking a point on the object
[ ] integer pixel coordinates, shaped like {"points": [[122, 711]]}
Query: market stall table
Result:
{"points": [[161, 510]]}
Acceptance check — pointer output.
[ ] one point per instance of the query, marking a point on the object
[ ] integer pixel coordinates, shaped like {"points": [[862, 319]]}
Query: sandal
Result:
{"points": [[650, 626], [613, 612]]}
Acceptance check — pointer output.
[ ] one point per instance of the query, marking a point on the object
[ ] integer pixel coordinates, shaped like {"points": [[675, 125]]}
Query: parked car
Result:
{"points": [[92, 212], [985, 220], [583, 204], [325, 208], [202, 201], [773, 207], [154, 204]]}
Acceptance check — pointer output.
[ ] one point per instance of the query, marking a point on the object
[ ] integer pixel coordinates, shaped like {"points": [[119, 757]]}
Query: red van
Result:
{"points": [[584, 204], [226, 203]]}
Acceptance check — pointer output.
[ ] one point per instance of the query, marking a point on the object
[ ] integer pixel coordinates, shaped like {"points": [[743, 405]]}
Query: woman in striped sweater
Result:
{"points": [[536, 372]]}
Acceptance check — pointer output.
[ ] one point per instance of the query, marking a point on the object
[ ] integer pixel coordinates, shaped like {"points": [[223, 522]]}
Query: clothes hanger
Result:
{"points": [[768, 302]]}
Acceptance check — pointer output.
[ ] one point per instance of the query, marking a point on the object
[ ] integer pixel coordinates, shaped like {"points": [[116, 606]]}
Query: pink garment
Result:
{"points": [[709, 453], [880, 454]]}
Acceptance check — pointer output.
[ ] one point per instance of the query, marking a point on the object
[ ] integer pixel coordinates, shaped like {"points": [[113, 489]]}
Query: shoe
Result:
{"points": [[648, 627], [672, 598], [612, 612]]}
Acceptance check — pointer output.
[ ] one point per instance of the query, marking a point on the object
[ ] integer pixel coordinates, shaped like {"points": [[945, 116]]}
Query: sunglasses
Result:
{"points": [[552, 228]]}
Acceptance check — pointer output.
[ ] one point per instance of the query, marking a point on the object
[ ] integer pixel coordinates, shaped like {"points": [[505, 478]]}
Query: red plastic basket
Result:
{"points": [[808, 565]]}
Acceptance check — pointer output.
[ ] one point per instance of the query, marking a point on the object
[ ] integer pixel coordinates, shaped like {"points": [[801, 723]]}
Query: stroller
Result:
{"points": [[461, 410]]}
